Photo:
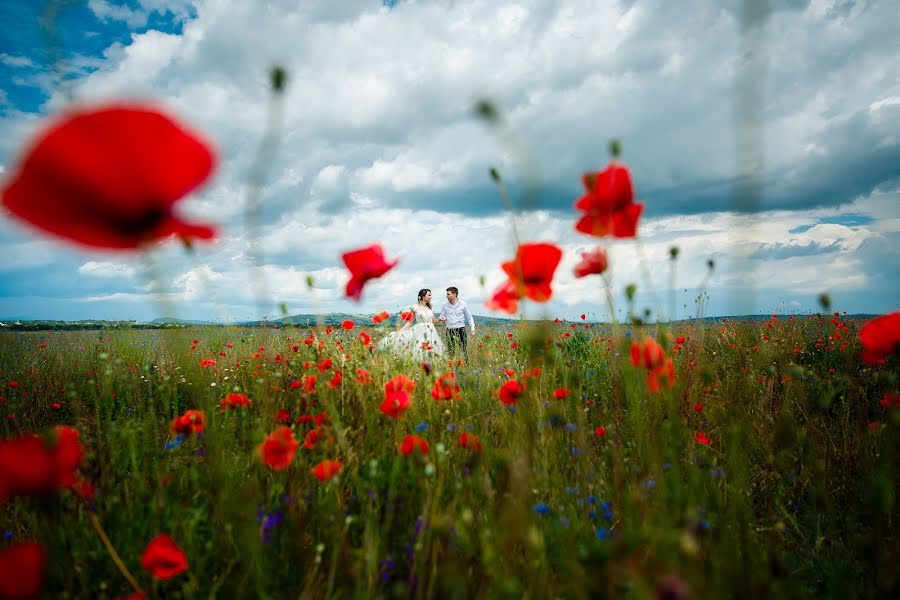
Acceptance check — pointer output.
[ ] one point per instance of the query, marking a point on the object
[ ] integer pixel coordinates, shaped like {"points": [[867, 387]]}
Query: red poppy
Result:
{"points": [[395, 403], [312, 438], [192, 421], [382, 316], [365, 338], [531, 271], [348, 324], [109, 177], [309, 384], [647, 353], [880, 338], [365, 264], [469, 440], [406, 316], [28, 467], [445, 388], [560, 393], [510, 392], [600, 431], [533, 373], [207, 362], [400, 382], [68, 454], [609, 204], [413, 443], [504, 299], [163, 558], [335, 381], [680, 340], [363, 377], [22, 570], [593, 262], [279, 448], [702, 438], [324, 365], [326, 469], [233, 400]]}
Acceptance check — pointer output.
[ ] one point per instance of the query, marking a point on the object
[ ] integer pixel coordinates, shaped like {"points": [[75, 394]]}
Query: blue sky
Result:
{"points": [[379, 144]]}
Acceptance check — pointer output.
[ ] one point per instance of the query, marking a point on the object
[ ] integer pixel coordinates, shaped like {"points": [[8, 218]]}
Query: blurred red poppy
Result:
{"points": [[531, 271], [593, 262], [163, 558], [365, 338], [702, 438], [383, 315], [413, 443], [608, 204], [22, 570], [446, 388], [510, 392], [234, 400], [278, 449], [192, 421], [504, 299], [365, 264], [109, 177], [469, 440], [395, 403], [400, 382], [29, 467], [406, 316], [348, 324], [880, 338], [326, 469], [560, 393]]}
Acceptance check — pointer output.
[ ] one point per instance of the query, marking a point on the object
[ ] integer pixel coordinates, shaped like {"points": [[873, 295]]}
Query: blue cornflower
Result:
{"points": [[591, 499], [592, 515], [717, 473], [649, 484], [469, 427], [603, 533], [175, 442], [511, 409], [576, 452], [421, 426], [451, 427], [542, 509], [571, 426], [666, 466]]}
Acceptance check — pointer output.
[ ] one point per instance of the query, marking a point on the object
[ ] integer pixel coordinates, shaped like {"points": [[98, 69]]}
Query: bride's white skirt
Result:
{"points": [[421, 341]]}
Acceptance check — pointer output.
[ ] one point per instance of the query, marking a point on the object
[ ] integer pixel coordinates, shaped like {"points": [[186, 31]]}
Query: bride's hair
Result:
{"points": [[421, 295]]}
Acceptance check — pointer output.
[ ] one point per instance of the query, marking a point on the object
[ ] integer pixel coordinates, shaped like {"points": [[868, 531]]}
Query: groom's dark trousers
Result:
{"points": [[457, 335]]}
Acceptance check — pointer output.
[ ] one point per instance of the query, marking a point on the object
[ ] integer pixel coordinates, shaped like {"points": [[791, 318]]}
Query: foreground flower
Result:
{"points": [[608, 204], [504, 299], [593, 262], [30, 467], [365, 264], [22, 570], [469, 441], [163, 558], [395, 403], [192, 421], [880, 338], [648, 354], [109, 178], [326, 469], [279, 448], [413, 443], [510, 392], [531, 271], [446, 388]]}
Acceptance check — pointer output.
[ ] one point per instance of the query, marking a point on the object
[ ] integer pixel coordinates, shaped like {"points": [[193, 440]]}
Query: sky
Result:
{"points": [[767, 143]]}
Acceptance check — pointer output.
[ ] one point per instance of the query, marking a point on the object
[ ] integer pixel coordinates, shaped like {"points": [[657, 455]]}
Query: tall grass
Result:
{"points": [[793, 496]]}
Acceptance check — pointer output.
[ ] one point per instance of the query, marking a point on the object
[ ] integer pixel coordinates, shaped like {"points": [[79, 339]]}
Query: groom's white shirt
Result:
{"points": [[457, 315]]}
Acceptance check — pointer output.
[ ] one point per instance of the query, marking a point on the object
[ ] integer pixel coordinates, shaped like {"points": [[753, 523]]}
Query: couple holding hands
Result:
{"points": [[419, 338]]}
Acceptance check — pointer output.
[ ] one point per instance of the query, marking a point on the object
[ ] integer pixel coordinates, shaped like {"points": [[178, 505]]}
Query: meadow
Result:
{"points": [[561, 460]]}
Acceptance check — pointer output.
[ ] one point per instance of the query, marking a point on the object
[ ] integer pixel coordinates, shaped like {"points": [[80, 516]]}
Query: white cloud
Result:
{"points": [[106, 270], [15, 61]]}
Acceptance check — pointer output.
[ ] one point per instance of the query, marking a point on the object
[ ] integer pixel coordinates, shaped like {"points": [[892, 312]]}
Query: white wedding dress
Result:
{"points": [[421, 341]]}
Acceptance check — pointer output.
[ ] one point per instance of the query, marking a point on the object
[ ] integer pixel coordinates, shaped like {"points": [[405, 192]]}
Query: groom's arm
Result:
{"points": [[469, 318]]}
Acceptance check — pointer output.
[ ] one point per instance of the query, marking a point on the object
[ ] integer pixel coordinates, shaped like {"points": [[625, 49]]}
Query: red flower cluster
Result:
{"points": [[648, 354], [382, 316], [469, 441], [234, 400], [560, 393], [608, 204], [880, 338], [365, 264], [593, 262], [278, 449], [510, 392], [29, 467], [326, 469], [411, 444], [192, 421], [446, 388], [22, 570], [530, 275], [163, 558], [109, 178]]}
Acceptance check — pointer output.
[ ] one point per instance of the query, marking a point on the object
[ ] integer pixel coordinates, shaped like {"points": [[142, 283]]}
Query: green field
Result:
{"points": [[767, 469]]}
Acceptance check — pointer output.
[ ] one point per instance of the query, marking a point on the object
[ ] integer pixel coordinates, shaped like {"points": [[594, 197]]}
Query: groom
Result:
{"points": [[455, 314]]}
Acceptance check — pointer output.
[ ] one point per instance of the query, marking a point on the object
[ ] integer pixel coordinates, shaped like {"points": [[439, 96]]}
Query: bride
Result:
{"points": [[419, 340]]}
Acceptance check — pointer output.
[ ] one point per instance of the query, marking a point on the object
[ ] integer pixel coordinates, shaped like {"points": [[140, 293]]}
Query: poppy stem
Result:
{"points": [[95, 523]]}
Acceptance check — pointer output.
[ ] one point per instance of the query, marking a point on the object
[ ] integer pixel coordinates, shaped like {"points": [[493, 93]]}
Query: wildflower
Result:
{"points": [[698, 406], [533, 373], [470, 441], [312, 438], [510, 392], [365, 338], [278, 449], [207, 362], [531, 271], [348, 324], [608, 204], [109, 177], [22, 570], [651, 356], [600, 431], [411, 444], [283, 416], [28, 467], [593, 262], [504, 299], [326, 469], [192, 421], [701, 438], [335, 381], [382, 316], [163, 558], [309, 384], [560, 393], [395, 403], [445, 388], [542, 508], [880, 338], [363, 377], [365, 264], [234, 400], [400, 382]]}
